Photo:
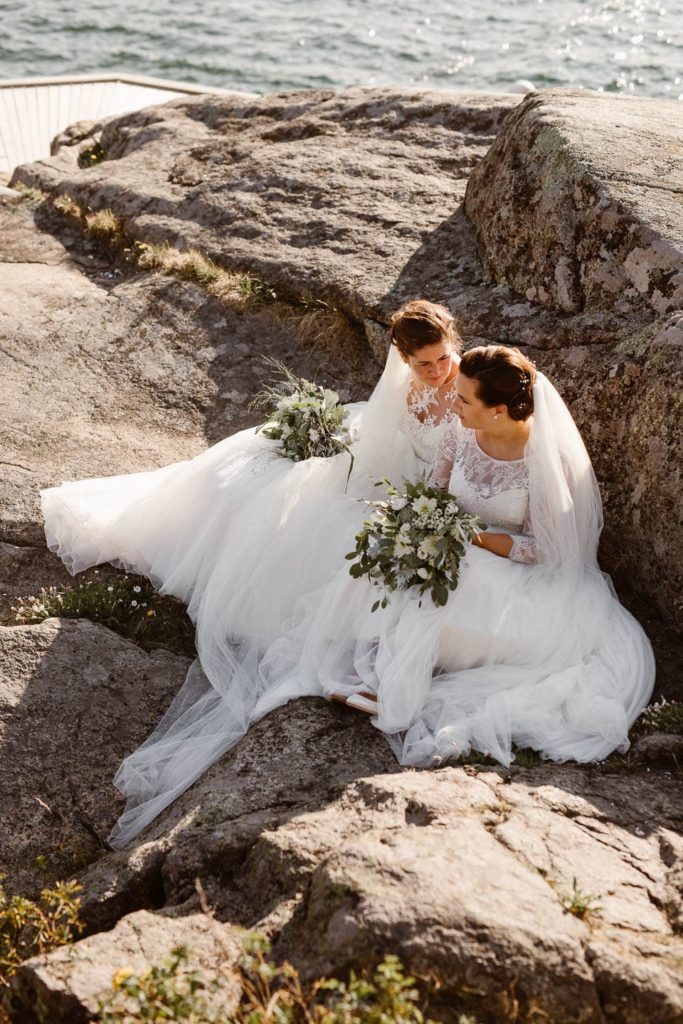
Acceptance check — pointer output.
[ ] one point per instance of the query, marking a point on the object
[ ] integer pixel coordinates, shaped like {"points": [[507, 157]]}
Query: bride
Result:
{"points": [[533, 647], [240, 534]]}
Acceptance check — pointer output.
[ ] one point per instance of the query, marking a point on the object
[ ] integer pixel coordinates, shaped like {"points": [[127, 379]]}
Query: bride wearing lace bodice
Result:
{"points": [[240, 534], [532, 648]]}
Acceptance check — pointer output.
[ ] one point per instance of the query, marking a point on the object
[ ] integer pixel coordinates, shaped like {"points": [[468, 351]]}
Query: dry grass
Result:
{"points": [[33, 195], [104, 225], [239, 291], [68, 206]]}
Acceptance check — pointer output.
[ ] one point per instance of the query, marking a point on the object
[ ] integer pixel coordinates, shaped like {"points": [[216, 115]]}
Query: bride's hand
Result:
{"points": [[496, 543]]}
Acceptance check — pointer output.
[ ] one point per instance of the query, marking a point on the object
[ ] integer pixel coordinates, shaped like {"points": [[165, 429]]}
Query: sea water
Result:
{"points": [[627, 46]]}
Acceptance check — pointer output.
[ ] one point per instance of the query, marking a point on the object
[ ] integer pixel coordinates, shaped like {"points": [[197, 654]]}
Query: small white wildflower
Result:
{"points": [[398, 503], [314, 435], [133, 604], [137, 589], [110, 589], [424, 574]]}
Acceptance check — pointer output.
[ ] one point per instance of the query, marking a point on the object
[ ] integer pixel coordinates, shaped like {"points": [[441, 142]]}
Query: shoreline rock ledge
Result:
{"points": [[554, 224]]}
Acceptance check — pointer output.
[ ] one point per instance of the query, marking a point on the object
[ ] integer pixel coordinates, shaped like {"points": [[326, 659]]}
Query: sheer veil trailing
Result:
{"points": [[564, 498], [225, 689]]}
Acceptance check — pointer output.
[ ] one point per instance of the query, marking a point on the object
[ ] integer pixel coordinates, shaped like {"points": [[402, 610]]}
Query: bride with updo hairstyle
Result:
{"points": [[532, 649]]}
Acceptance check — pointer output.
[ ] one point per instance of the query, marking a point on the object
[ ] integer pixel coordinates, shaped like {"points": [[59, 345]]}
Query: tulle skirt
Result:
{"points": [[238, 529], [518, 655], [255, 545]]}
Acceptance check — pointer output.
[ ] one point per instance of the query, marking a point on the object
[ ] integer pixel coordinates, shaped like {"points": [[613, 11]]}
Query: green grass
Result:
{"points": [[129, 605], [33, 195], [663, 716], [580, 904]]}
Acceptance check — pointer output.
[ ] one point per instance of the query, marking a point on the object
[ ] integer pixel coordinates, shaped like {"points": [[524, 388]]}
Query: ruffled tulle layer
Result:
{"points": [[512, 658]]}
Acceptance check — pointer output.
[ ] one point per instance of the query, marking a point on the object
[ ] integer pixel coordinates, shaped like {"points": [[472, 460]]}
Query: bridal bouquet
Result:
{"points": [[414, 538], [306, 419]]}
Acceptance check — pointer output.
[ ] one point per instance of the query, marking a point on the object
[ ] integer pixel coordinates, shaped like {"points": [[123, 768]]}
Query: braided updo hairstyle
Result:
{"points": [[504, 377], [419, 323]]}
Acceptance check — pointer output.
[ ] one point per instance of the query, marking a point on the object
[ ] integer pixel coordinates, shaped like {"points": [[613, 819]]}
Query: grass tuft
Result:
{"points": [[32, 195], [580, 904], [29, 928], [104, 225], [663, 716], [68, 206], [271, 994]]}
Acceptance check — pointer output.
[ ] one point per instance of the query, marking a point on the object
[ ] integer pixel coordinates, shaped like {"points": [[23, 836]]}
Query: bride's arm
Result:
{"points": [[442, 467], [518, 547]]}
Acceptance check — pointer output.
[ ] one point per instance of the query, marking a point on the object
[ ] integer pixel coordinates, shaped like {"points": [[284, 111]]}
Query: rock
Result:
{"points": [[465, 872], [297, 758], [328, 193], [74, 699], [110, 371], [469, 876], [23, 571], [67, 985], [565, 220]]}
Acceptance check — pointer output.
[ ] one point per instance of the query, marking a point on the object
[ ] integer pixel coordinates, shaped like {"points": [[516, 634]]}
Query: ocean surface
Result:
{"points": [[627, 46]]}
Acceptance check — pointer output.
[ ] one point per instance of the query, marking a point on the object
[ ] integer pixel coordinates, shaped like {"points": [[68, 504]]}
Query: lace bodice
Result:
{"points": [[428, 417], [495, 489]]}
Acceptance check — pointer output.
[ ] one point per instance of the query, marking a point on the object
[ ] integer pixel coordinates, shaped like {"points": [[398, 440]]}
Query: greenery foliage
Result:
{"points": [[580, 904], [415, 538], [29, 928], [271, 994], [92, 155], [127, 604], [663, 716]]}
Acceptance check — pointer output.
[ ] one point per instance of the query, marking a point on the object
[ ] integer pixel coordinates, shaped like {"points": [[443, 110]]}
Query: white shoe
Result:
{"points": [[360, 703]]}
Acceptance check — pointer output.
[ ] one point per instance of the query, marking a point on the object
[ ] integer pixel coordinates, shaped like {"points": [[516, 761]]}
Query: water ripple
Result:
{"points": [[630, 46]]}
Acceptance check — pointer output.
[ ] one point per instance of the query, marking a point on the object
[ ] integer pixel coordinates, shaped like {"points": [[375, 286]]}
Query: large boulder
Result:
{"points": [[68, 985], [577, 203], [556, 891], [569, 223], [74, 699], [327, 193]]}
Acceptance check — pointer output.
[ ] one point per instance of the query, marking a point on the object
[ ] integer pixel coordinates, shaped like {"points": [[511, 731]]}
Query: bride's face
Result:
{"points": [[432, 364], [473, 413]]}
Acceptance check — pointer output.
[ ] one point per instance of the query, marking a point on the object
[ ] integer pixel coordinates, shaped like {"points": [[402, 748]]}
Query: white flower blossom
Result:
{"points": [[428, 548], [424, 505], [398, 503]]}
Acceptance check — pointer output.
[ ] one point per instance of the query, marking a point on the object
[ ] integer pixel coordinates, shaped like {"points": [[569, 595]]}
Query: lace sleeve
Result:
{"points": [[442, 465], [524, 544]]}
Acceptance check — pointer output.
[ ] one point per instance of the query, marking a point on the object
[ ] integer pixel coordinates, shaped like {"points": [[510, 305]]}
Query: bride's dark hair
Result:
{"points": [[419, 323], [504, 377]]}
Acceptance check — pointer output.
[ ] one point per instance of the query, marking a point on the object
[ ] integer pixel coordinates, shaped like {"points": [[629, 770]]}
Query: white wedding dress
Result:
{"points": [[527, 651], [239, 534]]}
